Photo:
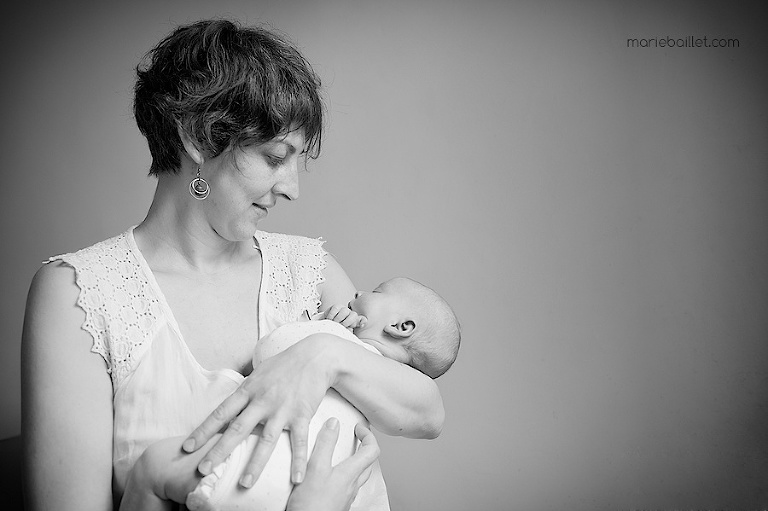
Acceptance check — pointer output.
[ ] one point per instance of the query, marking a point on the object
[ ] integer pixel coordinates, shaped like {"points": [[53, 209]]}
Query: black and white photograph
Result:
{"points": [[406, 255]]}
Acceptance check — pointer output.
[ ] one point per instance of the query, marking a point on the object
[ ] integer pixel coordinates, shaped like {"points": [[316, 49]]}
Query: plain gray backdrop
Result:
{"points": [[596, 214]]}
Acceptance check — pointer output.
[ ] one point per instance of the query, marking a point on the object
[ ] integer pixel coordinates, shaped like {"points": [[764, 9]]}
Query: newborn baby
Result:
{"points": [[400, 319]]}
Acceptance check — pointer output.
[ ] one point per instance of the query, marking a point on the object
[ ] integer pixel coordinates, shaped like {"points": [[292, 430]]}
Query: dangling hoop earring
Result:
{"points": [[198, 187]]}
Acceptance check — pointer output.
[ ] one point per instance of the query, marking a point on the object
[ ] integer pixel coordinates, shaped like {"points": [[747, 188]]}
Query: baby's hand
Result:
{"points": [[343, 315]]}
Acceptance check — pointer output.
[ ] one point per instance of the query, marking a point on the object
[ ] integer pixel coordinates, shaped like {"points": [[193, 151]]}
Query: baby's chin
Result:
{"points": [[364, 335]]}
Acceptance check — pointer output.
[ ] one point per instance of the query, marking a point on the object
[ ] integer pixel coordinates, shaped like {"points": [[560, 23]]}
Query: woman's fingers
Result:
{"points": [[299, 435], [268, 438], [216, 420], [324, 489], [322, 452], [366, 454], [181, 475], [364, 476], [237, 431]]}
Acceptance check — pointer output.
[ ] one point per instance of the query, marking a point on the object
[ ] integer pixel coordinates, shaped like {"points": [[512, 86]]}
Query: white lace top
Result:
{"points": [[159, 388]]}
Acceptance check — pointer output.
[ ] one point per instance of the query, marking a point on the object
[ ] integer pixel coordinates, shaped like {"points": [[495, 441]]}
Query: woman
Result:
{"points": [[148, 335]]}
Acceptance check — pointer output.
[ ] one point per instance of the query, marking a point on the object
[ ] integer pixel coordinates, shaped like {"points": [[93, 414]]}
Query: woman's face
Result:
{"points": [[246, 182]]}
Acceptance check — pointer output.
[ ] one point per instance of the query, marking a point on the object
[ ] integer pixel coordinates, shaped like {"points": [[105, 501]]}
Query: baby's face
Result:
{"points": [[385, 306], [381, 304]]}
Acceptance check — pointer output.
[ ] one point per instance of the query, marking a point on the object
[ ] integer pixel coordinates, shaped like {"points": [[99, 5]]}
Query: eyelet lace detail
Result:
{"points": [[121, 310], [296, 267]]}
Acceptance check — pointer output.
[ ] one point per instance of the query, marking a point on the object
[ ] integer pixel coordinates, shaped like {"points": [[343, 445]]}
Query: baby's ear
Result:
{"points": [[401, 330]]}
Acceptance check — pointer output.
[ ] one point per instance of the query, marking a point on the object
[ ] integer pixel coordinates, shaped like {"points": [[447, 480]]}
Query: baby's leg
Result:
{"points": [[219, 491]]}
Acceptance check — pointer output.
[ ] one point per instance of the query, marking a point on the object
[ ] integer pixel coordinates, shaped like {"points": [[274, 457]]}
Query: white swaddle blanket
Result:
{"points": [[219, 491]]}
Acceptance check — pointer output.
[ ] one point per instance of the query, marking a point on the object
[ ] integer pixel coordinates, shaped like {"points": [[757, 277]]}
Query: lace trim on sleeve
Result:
{"points": [[120, 309], [296, 269]]}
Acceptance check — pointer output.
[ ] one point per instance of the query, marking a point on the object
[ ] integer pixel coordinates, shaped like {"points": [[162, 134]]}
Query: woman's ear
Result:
{"points": [[189, 146], [401, 330]]}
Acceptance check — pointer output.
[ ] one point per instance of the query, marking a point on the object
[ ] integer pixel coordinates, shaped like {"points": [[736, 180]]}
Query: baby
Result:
{"points": [[400, 319]]}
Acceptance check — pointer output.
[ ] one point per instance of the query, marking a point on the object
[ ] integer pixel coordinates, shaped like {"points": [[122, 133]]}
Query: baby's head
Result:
{"points": [[410, 323]]}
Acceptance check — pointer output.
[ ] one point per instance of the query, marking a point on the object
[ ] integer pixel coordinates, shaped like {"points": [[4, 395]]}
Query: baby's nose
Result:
{"points": [[358, 293]]}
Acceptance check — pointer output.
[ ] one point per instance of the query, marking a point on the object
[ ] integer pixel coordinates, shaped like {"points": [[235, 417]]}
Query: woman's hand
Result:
{"points": [[328, 488], [163, 474], [283, 392]]}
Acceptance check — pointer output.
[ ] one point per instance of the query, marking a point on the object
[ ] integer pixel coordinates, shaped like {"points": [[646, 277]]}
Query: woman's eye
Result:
{"points": [[275, 161]]}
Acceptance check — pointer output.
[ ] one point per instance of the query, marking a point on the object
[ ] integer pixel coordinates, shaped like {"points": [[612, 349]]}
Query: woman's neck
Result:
{"points": [[175, 236]]}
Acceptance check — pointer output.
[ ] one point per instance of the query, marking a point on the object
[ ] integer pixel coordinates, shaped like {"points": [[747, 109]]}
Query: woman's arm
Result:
{"points": [[284, 391], [337, 288], [396, 398], [66, 401]]}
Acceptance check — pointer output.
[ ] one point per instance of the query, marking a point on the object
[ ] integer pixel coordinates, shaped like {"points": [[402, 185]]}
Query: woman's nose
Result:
{"points": [[357, 294], [288, 183]]}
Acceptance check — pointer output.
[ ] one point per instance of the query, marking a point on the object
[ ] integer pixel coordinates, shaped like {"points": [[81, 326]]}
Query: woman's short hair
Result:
{"points": [[225, 86]]}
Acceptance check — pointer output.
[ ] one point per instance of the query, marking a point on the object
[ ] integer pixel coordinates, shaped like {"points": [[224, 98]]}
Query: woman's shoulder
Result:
{"points": [[52, 311], [57, 274], [292, 251], [111, 247], [288, 242], [53, 281], [293, 254], [99, 290], [294, 267]]}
